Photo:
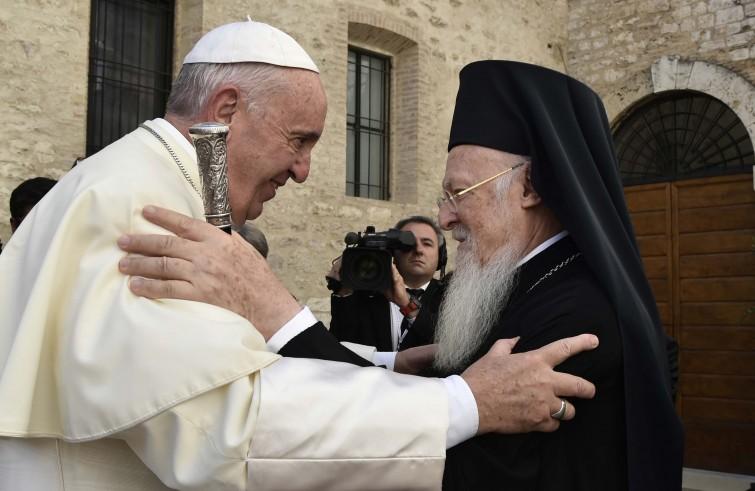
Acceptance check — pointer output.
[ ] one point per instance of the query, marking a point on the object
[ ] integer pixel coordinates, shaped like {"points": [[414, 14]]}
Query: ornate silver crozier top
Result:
{"points": [[209, 141]]}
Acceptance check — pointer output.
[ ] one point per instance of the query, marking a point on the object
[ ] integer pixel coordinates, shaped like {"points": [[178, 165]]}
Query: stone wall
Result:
{"points": [[306, 224], [613, 44], [43, 91], [430, 41]]}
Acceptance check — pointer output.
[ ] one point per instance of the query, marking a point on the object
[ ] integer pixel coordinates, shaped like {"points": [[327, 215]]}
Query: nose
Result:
{"points": [[447, 218], [300, 169]]}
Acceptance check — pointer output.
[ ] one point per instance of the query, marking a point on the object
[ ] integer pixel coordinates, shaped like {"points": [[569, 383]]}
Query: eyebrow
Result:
{"points": [[307, 135], [446, 185]]}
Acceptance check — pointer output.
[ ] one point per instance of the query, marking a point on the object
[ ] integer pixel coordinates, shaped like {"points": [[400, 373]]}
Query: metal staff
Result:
{"points": [[210, 143]]}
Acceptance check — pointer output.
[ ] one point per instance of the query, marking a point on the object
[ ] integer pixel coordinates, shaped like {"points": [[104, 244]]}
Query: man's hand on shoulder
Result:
{"points": [[517, 393], [205, 264]]}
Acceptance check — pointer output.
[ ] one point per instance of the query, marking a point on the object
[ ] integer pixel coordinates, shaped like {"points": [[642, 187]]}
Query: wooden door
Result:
{"points": [[697, 241]]}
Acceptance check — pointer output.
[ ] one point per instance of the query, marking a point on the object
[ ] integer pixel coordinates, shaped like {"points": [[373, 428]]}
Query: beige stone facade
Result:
{"points": [[45, 97], [611, 45]]}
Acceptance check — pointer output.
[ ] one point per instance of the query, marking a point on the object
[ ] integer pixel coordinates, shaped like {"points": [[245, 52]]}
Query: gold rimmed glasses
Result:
{"points": [[451, 199]]}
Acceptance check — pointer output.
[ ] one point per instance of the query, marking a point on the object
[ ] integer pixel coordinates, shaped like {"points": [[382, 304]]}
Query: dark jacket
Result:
{"points": [[365, 318]]}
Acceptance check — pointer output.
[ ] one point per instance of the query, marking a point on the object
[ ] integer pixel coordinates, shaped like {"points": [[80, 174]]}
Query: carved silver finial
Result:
{"points": [[210, 144]]}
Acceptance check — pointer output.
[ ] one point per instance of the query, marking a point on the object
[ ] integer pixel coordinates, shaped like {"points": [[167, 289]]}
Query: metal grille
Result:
{"points": [[130, 58], [680, 135], [367, 125]]}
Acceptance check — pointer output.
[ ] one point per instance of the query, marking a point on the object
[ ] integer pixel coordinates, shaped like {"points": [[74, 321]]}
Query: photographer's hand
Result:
{"points": [[397, 293], [335, 273]]}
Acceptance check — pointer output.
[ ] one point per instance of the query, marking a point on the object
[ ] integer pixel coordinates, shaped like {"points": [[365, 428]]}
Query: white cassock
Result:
{"points": [[100, 389]]}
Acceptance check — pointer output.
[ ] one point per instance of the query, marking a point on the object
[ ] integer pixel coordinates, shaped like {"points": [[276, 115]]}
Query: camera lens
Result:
{"points": [[366, 268]]}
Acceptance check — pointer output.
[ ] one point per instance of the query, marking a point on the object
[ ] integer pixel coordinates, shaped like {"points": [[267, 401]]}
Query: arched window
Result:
{"points": [[680, 135]]}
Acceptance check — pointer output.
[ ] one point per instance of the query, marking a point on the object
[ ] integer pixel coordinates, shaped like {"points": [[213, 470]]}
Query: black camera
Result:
{"points": [[367, 259]]}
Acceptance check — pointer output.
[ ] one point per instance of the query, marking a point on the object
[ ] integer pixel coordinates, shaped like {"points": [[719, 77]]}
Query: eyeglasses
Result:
{"points": [[452, 199]]}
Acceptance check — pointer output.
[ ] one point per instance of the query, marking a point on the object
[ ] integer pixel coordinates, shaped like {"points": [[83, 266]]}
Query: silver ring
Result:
{"points": [[559, 415]]}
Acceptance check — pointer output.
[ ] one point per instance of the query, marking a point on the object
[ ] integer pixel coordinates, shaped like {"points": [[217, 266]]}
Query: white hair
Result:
{"points": [[477, 293], [197, 81]]}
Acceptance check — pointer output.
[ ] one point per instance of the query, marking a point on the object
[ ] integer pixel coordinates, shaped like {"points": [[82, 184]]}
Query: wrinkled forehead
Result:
{"points": [[299, 87], [467, 164]]}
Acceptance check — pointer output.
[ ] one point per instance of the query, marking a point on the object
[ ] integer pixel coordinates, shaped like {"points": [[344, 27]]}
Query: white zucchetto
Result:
{"points": [[250, 41]]}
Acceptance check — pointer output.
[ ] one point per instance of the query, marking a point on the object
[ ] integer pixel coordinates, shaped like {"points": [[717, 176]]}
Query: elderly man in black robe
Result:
{"points": [[546, 250]]}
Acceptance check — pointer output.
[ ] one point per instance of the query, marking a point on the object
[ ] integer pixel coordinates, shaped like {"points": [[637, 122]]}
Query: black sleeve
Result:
{"points": [[316, 342], [339, 312]]}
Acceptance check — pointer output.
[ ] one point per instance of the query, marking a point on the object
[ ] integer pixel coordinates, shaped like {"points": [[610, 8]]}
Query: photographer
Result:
{"points": [[384, 319]]}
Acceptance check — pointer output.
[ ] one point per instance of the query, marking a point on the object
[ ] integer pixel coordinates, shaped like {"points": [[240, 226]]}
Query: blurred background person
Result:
{"points": [[252, 234], [26, 196], [383, 319]]}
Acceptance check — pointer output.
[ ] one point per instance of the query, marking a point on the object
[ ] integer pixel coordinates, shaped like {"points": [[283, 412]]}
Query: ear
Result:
{"points": [[224, 104], [529, 198]]}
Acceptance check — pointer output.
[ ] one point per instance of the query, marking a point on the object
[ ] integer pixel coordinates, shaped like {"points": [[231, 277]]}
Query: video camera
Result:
{"points": [[367, 259]]}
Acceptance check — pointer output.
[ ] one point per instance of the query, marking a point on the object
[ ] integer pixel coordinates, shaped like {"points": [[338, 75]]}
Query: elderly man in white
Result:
{"points": [[104, 389]]}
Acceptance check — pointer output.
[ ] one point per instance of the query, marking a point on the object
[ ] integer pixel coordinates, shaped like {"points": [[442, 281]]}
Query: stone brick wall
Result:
{"points": [[306, 223], [612, 44], [43, 93]]}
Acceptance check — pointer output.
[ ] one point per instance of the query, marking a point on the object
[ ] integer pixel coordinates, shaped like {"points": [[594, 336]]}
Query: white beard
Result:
{"points": [[475, 297]]}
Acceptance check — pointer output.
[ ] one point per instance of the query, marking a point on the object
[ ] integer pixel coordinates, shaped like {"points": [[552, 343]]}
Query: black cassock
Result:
{"points": [[362, 318], [587, 453], [365, 318]]}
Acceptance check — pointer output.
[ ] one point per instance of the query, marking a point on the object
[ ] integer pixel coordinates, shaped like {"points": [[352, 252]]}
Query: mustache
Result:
{"points": [[460, 233]]}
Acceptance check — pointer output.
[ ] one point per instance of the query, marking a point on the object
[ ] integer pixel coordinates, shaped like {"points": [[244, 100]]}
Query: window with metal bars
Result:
{"points": [[367, 125], [680, 135], [130, 58]]}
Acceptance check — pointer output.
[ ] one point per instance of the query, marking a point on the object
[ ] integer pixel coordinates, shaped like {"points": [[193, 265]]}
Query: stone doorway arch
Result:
{"points": [[675, 73]]}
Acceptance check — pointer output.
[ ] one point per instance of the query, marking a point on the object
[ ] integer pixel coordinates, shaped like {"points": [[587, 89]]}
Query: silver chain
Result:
{"points": [[554, 269], [172, 154]]}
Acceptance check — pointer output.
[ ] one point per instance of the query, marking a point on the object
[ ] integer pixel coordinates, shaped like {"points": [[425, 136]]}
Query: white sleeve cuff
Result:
{"points": [[298, 324], [463, 418], [387, 358]]}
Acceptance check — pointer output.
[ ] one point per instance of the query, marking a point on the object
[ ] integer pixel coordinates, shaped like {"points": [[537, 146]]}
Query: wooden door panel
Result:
{"points": [[647, 199], [703, 408], [716, 363], [716, 265], [656, 268], [731, 338], [723, 289], [716, 242], [717, 314], [722, 446], [649, 223], [740, 387], [697, 241], [665, 311], [735, 217], [653, 245], [660, 289], [714, 194]]}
